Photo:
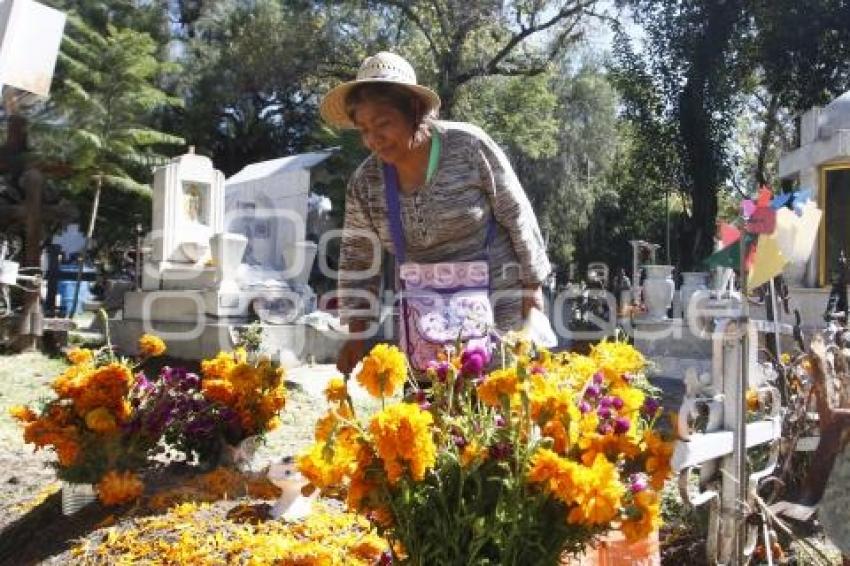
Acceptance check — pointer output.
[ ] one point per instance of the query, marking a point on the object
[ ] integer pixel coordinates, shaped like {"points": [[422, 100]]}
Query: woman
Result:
{"points": [[452, 179]]}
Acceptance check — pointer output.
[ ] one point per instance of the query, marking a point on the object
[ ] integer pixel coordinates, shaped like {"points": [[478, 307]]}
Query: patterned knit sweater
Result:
{"points": [[445, 220]]}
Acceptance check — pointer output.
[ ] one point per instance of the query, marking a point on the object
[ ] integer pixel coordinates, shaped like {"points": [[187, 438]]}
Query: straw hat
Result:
{"points": [[384, 67]]}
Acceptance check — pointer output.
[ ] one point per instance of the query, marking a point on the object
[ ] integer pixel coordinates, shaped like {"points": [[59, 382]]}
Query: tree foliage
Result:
{"points": [[98, 120]]}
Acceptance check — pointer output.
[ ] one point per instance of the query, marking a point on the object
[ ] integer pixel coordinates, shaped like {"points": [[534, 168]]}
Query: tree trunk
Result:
{"points": [[81, 260], [771, 123], [31, 326]]}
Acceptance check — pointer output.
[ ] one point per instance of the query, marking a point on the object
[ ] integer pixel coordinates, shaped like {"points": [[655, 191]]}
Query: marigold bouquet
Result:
{"points": [[513, 466], [87, 424], [253, 390]]}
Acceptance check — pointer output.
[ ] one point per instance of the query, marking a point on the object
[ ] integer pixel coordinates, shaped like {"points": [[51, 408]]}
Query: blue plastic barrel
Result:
{"points": [[65, 287]]}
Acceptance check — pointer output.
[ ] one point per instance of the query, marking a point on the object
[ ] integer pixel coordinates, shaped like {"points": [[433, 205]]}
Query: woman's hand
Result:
{"points": [[354, 348], [350, 355], [532, 297]]}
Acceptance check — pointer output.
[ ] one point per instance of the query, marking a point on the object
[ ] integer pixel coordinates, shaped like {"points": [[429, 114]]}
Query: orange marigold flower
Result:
{"points": [[151, 346], [545, 465], [658, 460], [273, 423], [117, 488], [219, 390], [598, 493], [336, 390], [101, 421], [402, 436], [23, 414], [384, 371], [502, 382], [556, 430], [470, 453], [753, 400], [80, 356], [68, 451]]}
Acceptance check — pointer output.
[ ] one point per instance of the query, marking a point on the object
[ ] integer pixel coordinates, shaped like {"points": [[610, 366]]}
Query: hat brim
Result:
{"points": [[332, 108]]}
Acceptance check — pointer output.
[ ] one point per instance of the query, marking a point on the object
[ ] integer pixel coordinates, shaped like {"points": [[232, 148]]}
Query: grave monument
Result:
{"points": [[198, 287]]}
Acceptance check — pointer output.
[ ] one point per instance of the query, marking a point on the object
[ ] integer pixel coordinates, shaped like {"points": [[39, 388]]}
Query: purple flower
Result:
{"points": [[441, 369], [584, 407], [459, 441], [617, 403], [651, 406], [474, 358], [606, 402], [478, 347], [386, 558], [538, 370], [592, 391], [200, 427], [499, 420], [622, 425], [143, 383], [604, 412], [637, 483], [502, 450], [598, 378], [605, 428], [473, 364]]}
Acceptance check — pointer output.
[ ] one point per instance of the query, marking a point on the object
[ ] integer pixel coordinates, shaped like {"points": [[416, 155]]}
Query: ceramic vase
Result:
{"points": [[75, 496], [658, 290], [692, 282]]}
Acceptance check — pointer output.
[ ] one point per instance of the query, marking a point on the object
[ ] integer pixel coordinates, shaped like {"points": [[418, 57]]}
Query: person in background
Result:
{"points": [[452, 180]]}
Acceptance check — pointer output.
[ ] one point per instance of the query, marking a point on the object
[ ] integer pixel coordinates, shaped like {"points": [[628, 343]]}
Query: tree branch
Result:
{"points": [[411, 15], [493, 66]]}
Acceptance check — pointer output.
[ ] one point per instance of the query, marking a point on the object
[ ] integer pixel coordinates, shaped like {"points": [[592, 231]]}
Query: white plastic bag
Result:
{"points": [[539, 330]]}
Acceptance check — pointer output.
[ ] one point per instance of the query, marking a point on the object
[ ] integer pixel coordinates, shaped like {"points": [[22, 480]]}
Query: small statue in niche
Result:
{"points": [[192, 203]]}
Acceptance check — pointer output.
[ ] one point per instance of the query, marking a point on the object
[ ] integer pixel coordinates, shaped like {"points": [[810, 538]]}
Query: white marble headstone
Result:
{"points": [[188, 208]]}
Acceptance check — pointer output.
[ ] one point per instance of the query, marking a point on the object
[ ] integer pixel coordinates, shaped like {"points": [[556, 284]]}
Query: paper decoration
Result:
{"points": [[729, 234], [807, 232], [787, 223], [762, 221], [748, 207], [768, 262], [30, 34], [800, 199], [765, 195], [780, 201], [729, 256]]}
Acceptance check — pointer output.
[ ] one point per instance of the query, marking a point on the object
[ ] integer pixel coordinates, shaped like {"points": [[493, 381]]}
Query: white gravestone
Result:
{"points": [[188, 209]]}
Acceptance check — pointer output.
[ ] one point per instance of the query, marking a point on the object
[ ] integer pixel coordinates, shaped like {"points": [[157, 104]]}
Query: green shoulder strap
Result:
{"points": [[434, 157]]}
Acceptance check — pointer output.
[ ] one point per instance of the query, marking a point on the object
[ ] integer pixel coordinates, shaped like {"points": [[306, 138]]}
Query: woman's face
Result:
{"points": [[384, 130]]}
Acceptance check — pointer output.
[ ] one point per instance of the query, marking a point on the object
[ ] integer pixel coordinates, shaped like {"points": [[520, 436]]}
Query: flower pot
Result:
{"points": [[658, 289], [614, 550], [692, 282], [75, 496], [240, 456]]}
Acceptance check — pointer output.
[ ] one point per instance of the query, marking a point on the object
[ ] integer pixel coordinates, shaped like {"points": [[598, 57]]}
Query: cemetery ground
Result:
{"points": [[29, 491], [33, 531]]}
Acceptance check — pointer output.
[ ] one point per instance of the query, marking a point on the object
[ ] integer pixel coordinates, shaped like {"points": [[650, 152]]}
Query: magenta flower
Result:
{"points": [[622, 425]]}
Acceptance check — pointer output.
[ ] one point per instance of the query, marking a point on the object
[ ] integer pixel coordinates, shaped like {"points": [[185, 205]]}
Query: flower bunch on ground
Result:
{"points": [[511, 466], [253, 390], [88, 423], [199, 534]]}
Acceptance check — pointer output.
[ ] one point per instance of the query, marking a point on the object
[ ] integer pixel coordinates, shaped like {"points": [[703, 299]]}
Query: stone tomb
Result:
{"points": [[821, 163], [196, 292]]}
